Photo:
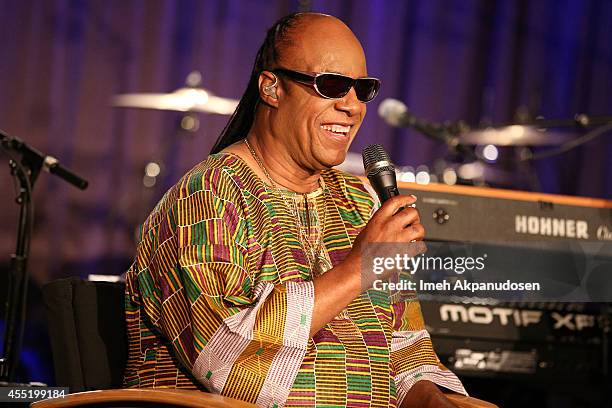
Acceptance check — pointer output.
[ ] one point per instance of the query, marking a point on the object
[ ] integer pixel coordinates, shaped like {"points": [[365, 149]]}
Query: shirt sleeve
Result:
{"points": [[238, 336], [412, 353]]}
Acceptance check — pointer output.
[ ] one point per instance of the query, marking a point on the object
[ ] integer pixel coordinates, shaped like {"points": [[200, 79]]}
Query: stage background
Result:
{"points": [[62, 61]]}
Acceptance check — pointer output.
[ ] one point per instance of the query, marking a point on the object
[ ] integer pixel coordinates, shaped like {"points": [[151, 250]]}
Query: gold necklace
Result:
{"points": [[317, 256]]}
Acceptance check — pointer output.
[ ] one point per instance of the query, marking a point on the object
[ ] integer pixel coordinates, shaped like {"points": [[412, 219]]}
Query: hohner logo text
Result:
{"points": [[553, 227]]}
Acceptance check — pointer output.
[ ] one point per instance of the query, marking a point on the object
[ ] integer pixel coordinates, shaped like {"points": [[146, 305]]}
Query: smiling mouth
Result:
{"points": [[341, 130]]}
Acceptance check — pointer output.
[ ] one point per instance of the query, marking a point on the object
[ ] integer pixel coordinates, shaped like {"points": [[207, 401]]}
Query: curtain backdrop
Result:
{"points": [[61, 62]]}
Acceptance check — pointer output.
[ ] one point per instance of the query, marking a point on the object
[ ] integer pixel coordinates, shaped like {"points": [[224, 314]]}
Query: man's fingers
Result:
{"points": [[416, 248], [414, 232], [394, 204], [406, 217]]}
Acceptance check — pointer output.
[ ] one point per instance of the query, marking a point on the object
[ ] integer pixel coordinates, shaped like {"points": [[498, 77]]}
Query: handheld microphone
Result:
{"points": [[380, 171]]}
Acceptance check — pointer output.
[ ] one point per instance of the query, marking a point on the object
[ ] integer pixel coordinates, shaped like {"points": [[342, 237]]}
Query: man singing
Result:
{"points": [[248, 280]]}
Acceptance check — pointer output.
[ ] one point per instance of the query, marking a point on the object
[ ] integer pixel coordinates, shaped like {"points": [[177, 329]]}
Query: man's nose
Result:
{"points": [[349, 103]]}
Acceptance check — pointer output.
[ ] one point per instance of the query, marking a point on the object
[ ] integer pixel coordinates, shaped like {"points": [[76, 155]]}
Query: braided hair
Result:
{"points": [[242, 119]]}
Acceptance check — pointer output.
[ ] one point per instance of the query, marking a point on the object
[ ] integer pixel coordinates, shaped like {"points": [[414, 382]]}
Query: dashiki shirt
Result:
{"points": [[220, 298]]}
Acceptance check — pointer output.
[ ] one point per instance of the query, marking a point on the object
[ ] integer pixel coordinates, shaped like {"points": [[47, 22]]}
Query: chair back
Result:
{"points": [[87, 332]]}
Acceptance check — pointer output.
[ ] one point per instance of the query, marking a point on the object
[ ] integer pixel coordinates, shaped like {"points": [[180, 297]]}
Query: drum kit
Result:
{"points": [[521, 138], [192, 98]]}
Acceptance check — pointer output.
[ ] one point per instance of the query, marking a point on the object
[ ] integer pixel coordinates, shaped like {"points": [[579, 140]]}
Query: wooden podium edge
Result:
{"points": [[156, 397]]}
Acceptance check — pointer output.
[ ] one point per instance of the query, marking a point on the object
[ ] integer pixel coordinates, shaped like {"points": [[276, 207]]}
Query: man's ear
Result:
{"points": [[268, 88]]}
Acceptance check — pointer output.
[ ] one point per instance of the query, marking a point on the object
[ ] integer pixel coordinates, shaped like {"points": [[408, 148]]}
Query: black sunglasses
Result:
{"points": [[332, 86]]}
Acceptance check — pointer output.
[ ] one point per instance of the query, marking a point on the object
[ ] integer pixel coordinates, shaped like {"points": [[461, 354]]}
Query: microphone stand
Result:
{"points": [[26, 172], [449, 133]]}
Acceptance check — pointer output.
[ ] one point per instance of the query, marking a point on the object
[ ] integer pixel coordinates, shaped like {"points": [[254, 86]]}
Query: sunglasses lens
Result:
{"points": [[334, 86], [367, 88]]}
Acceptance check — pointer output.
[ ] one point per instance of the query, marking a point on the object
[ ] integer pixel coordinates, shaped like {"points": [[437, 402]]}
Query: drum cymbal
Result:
{"points": [[514, 135], [186, 99]]}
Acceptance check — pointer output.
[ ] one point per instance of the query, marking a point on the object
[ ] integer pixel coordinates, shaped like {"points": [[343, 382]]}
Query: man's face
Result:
{"points": [[316, 131]]}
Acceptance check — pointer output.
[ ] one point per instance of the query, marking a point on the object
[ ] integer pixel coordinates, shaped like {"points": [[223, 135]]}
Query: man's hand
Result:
{"points": [[425, 394], [396, 222]]}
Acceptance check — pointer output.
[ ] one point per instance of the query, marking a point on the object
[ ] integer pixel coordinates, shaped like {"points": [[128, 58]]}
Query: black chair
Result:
{"points": [[87, 330], [89, 345]]}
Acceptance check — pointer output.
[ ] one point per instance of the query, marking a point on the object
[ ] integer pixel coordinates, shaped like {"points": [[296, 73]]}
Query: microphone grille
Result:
{"points": [[374, 153]]}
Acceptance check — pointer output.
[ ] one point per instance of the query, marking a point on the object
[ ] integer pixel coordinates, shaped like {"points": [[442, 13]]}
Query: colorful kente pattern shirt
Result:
{"points": [[220, 298]]}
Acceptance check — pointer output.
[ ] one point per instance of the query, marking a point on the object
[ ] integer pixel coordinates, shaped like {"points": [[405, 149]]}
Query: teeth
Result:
{"points": [[337, 128]]}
